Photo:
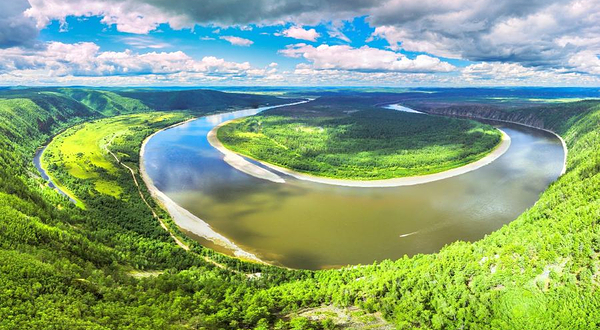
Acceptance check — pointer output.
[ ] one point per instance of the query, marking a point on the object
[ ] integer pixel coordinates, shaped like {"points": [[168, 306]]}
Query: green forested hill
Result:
{"points": [[62, 267], [197, 99], [364, 142], [106, 102]]}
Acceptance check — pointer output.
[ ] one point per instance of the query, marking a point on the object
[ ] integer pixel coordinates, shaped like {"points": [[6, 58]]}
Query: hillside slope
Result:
{"points": [[106, 102], [63, 267], [198, 99]]}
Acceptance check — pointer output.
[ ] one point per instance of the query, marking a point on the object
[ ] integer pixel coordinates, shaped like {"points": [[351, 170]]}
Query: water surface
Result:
{"points": [[37, 162], [303, 224]]}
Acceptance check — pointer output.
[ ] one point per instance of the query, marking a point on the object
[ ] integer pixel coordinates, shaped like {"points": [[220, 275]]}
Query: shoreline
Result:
{"points": [[241, 162], [237, 161], [52, 181], [562, 141], [182, 217]]}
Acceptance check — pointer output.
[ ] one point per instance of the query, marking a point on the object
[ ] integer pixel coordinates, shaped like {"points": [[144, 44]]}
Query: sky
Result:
{"points": [[300, 42]]}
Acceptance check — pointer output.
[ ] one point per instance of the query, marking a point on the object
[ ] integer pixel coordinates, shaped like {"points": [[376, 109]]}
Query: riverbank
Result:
{"points": [[562, 141], [496, 119], [52, 182], [185, 219], [238, 162], [182, 217], [257, 171]]}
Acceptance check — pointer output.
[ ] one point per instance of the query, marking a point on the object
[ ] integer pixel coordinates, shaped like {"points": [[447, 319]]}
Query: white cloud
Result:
{"points": [[142, 42], [559, 36], [590, 42], [498, 73], [237, 41], [301, 33], [536, 33], [86, 60], [533, 33], [365, 58], [85, 64], [586, 61], [335, 32], [402, 39], [480, 74], [127, 15]]}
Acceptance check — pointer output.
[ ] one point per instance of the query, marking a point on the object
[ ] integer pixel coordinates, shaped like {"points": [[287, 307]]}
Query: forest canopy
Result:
{"points": [[359, 142], [111, 265]]}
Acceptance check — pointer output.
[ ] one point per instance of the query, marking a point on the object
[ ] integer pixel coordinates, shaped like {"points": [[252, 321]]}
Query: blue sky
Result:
{"points": [[200, 41], [266, 42]]}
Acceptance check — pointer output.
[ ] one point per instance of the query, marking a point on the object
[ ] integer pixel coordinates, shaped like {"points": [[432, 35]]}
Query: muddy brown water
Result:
{"points": [[309, 225]]}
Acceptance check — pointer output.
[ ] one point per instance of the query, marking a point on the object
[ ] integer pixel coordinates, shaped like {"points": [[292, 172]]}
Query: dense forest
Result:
{"points": [[110, 265], [363, 142]]}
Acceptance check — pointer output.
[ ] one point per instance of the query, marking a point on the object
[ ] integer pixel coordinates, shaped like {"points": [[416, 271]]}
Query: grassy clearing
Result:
{"points": [[82, 151]]}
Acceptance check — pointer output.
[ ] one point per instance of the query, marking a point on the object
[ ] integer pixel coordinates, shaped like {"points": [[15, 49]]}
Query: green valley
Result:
{"points": [[111, 265], [299, 165]]}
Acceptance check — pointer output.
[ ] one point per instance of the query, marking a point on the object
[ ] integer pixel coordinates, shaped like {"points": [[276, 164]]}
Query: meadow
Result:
{"points": [[82, 150]]}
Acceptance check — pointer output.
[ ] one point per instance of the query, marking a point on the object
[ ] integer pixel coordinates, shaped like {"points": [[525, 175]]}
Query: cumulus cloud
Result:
{"points": [[237, 41], [301, 33], [141, 16], [586, 61], [15, 28], [365, 58], [560, 36], [533, 33], [480, 74], [85, 64], [402, 39], [86, 60], [494, 73], [129, 16]]}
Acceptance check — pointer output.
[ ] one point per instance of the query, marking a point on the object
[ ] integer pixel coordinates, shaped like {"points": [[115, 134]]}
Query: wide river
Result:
{"points": [[302, 224]]}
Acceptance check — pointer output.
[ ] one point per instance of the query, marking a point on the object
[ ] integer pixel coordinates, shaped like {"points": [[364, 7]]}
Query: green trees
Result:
{"points": [[66, 267], [365, 143]]}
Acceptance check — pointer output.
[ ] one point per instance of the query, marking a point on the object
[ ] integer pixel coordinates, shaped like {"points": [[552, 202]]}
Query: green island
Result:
{"points": [[110, 265], [340, 139]]}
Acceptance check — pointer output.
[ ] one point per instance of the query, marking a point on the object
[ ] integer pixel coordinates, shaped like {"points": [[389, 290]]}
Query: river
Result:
{"points": [[37, 162], [303, 224]]}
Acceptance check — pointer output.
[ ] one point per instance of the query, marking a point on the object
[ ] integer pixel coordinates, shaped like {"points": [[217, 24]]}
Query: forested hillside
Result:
{"points": [[106, 102], [197, 99], [111, 266]]}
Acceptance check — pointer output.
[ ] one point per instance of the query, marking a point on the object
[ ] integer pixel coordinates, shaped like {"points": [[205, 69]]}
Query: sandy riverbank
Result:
{"points": [[256, 170], [182, 217], [238, 162]]}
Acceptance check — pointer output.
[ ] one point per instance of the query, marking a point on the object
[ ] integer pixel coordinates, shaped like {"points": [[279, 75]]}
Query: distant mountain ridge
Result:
{"points": [[110, 103]]}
